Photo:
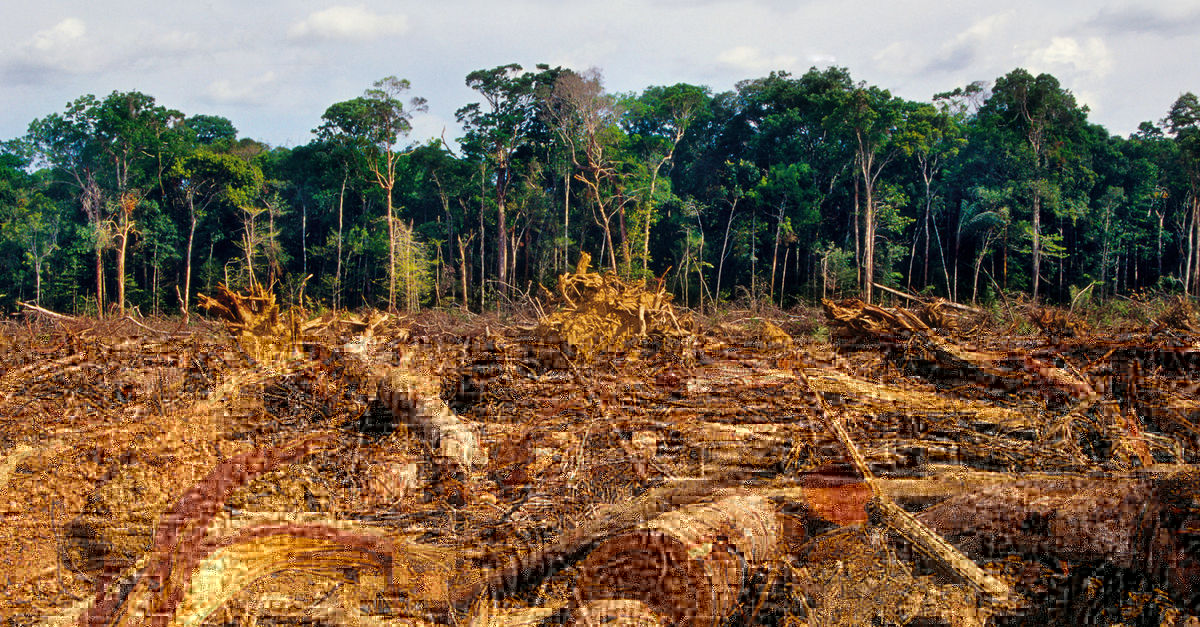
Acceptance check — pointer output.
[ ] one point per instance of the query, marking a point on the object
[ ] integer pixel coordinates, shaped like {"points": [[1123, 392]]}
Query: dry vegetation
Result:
{"points": [[613, 461]]}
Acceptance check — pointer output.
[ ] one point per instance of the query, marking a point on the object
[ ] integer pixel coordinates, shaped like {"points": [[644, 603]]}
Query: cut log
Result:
{"points": [[1149, 525], [690, 565], [414, 402], [618, 613]]}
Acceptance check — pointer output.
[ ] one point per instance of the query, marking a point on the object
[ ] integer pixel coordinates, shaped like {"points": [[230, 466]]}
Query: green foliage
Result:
{"points": [[758, 189]]}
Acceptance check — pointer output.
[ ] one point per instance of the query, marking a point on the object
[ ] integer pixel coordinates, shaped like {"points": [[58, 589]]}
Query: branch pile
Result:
{"points": [[396, 473]]}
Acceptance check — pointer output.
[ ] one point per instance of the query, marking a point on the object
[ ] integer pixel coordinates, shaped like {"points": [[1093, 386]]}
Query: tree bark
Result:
{"points": [[502, 173], [187, 265], [337, 272], [724, 246], [1037, 243]]}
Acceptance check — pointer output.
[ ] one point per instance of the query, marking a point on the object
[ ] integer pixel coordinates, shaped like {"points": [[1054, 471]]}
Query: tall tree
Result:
{"points": [[656, 122], [200, 180], [377, 121], [872, 117], [586, 119], [105, 148], [1038, 120], [1183, 122], [498, 129], [931, 137]]}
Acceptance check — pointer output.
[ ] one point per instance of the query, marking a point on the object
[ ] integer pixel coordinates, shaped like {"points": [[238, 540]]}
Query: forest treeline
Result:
{"points": [[786, 188]]}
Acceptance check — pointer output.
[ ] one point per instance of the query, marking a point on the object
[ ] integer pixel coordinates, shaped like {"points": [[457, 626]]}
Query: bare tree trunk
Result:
{"points": [[942, 255], [187, 266], [783, 279], [337, 272], [391, 233], [626, 253], [567, 221], [724, 247], [866, 163], [858, 258], [978, 264], [1159, 253], [775, 252], [502, 226], [1104, 254], [1037, 243], [462, 275], [121, 272], [1194, 241]]}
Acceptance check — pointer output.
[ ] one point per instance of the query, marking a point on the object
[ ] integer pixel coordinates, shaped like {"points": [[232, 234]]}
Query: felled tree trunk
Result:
{"points": [[996, 374], [1147, 525], [415, 403]]}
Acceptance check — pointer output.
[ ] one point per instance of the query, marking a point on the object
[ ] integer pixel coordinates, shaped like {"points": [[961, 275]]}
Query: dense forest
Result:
{"points": [[784, 189]]}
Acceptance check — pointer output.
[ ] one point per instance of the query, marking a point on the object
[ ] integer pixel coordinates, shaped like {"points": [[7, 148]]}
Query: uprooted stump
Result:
{"points": [[855, 317], [601, 312], [1056, 323], [252, 313], [253, 317], [1178, 316]]}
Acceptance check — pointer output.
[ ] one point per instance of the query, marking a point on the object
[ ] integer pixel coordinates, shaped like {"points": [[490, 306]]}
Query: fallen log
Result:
{"points": [[1117, 434], [618, 613], [511, 572], [180, 535], [415, 403], [690, 565], [883, 510], [1146, 525]]}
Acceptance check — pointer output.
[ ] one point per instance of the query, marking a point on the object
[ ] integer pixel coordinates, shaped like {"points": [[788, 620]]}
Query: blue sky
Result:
{"points": [[272, 67]]}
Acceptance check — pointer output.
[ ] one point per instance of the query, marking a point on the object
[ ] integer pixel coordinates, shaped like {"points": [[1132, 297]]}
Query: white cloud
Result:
{"points": [[750, 59], [348, 23], [1090, 57], [65, 33], [967, 47], [250, 91], [60, 48]]}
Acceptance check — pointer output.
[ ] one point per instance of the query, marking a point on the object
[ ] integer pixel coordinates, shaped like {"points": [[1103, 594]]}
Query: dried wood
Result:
{"points": [[1004, 372], [690, 564], [415, 403], [887, 512], [254, 313]]}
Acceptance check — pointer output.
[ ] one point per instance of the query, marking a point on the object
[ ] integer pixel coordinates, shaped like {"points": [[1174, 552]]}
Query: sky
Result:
{"points": [[273, 67]]}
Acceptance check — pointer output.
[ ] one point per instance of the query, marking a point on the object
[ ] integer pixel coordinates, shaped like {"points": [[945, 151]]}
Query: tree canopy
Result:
{"points": [[787, 187]]}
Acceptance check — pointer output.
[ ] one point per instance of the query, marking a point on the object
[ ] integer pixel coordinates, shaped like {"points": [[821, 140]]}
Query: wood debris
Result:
{"points": [[370, 468]]}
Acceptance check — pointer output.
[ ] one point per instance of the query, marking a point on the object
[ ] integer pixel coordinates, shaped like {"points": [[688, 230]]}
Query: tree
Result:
{"points": [[931, 138], [655, 123], [376, 121], [497, 132], [871, 116], [28, 219], [1183, 122], [1038, 121], [585, 117], [105, 148], [787, 190], [211, 129], [199, 180]]}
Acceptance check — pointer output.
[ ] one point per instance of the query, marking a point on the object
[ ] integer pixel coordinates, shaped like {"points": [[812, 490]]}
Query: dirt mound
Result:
{"points": [[602, 312]]}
